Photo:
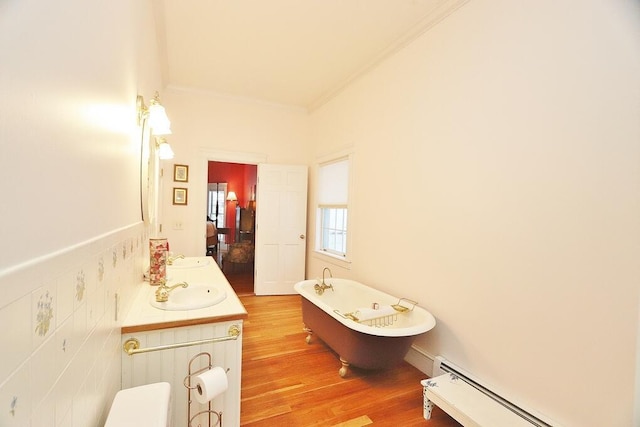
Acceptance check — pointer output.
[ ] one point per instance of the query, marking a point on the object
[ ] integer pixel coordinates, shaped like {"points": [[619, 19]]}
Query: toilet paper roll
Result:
{"points": [[210, 384]]}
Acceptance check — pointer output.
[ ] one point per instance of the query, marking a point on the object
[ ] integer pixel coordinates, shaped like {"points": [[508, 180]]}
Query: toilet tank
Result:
{"points": [[143, 406]]}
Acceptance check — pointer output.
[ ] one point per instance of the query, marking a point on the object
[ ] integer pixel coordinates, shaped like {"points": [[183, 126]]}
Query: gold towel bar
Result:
{"points": [[132, 345]]}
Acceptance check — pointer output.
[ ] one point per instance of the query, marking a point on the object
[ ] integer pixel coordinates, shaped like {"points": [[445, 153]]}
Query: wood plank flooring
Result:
{"points": [[287, 382], [241, 282]]}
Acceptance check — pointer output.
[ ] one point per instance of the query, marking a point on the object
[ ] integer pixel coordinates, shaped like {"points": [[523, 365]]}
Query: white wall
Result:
{"points": [[240, 131], [71, 235], [508, 135], [636, 416]]}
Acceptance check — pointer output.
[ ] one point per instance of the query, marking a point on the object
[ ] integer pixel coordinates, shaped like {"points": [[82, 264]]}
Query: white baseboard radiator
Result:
{"points": [[470, 403]]}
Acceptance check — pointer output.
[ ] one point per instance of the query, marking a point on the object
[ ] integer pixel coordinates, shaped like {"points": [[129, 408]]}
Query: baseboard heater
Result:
{"points": [[470, 402]]}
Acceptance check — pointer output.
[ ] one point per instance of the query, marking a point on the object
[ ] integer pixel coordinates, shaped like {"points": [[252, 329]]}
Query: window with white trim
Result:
{"points": [[332, 214], [216, 197]]}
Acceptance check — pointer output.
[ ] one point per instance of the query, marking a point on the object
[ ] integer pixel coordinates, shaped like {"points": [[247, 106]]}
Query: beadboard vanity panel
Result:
{"points": [[172, 366]]}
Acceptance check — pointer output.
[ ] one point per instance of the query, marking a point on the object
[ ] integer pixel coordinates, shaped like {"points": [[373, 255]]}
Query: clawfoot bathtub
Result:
{"points": [[346, 319]]}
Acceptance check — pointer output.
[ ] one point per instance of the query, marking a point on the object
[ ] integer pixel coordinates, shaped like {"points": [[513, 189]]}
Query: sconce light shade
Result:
{"points": [[231, 196], [164, 149], [158, 120]]}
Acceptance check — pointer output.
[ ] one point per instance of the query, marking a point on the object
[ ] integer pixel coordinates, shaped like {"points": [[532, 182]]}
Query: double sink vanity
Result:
{"points": [[162, 339]]}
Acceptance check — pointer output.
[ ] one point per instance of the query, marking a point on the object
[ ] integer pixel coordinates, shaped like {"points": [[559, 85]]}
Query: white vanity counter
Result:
{"points": [[144, 317]]}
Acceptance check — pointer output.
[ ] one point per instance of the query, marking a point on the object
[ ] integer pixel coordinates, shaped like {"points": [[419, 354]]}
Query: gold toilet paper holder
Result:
{"points": [[190, 388]]}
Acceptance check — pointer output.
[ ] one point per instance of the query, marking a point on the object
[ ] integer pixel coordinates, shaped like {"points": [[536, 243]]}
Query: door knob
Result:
{"points": [[302, 237]]}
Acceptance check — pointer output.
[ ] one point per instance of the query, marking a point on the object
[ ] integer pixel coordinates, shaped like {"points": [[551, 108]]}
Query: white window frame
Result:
{"points": [[216, 188], [329, 255], [336, 226]]}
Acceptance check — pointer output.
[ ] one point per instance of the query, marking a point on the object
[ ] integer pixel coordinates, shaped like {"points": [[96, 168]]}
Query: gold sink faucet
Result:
{"points": [[162, 293], [171, 259]]}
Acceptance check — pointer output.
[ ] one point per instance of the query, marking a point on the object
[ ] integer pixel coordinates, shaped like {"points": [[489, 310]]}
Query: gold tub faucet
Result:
{"points": [[320, 288]]}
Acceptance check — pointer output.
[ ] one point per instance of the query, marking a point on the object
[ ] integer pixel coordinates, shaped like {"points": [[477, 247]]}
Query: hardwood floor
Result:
{"points": [[287, 382], [241, 282]]}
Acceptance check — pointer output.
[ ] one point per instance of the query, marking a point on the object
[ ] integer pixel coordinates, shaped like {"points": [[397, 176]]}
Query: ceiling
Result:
{"points": [[292, 52]]}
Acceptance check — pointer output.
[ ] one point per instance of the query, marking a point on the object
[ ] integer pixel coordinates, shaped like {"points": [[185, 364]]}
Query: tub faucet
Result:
{"points": [[162, 293], [320, 288], [170, 259]]}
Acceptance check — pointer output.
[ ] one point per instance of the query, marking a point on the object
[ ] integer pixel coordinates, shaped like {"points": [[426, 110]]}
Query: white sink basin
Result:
{"points": [[190, 262], [195, 296]]}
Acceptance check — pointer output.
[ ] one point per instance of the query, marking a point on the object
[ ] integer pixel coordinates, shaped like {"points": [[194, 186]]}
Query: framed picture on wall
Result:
{"points": [[181, 173], [180, 196]]}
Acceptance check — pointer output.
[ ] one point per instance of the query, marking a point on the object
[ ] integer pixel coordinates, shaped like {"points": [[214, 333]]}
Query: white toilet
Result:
{"points": [[144, 406]]}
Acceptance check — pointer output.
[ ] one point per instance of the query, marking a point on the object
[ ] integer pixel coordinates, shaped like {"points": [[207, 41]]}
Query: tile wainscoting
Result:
{"points": [[60, 318]]}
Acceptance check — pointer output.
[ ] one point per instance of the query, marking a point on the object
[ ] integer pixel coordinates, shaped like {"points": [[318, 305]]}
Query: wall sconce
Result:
{"points": [[231, 197], [164, 149], [158, 120]]}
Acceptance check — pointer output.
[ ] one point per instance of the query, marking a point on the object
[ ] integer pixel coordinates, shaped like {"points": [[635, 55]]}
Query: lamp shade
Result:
{"points": [[231, 196], [158, 120], [164, 150]]}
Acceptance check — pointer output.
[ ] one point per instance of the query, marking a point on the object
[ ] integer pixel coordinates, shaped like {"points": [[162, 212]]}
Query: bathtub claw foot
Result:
{"points": [[309, 333], [344, 369]]}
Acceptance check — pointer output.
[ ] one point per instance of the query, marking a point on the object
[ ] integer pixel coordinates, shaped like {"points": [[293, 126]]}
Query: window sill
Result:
{"points": [[332, 259]]}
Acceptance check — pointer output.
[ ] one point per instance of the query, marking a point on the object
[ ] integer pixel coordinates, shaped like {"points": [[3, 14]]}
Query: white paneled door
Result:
{"points": [[281, 226]]}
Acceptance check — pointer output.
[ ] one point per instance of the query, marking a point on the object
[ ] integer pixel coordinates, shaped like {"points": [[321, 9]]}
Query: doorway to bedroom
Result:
{"points": [[231, 212]]}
